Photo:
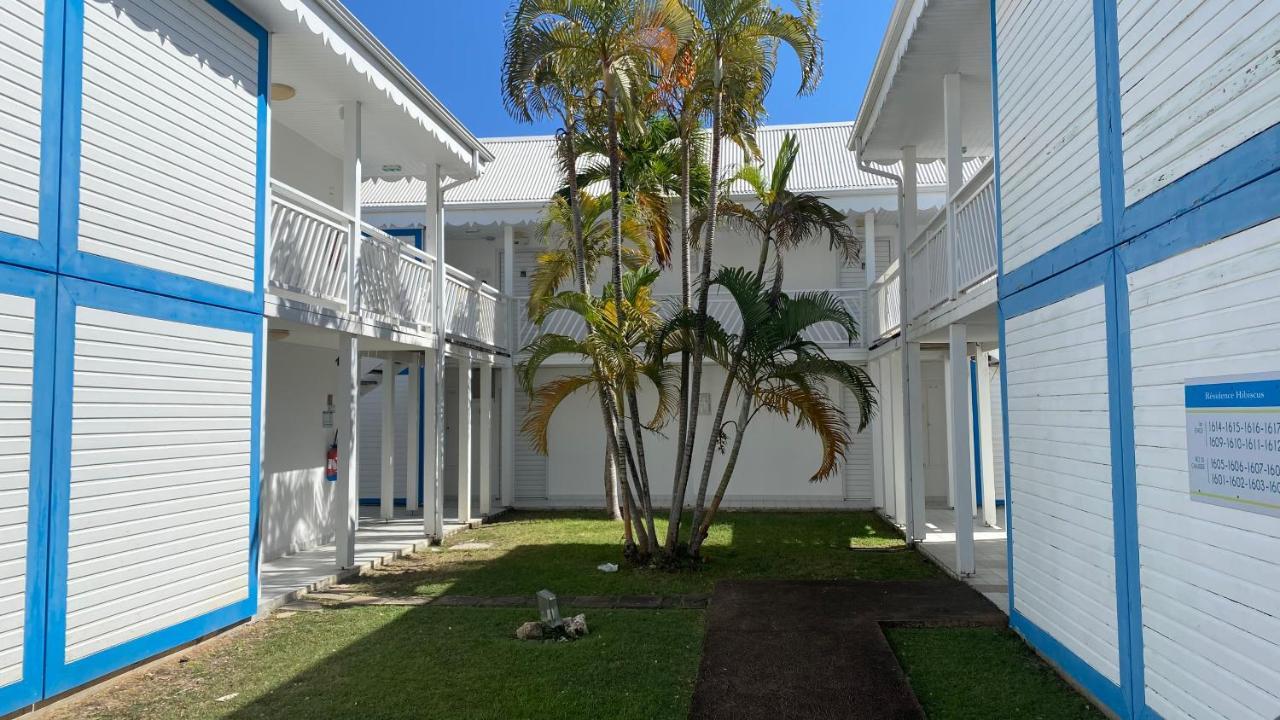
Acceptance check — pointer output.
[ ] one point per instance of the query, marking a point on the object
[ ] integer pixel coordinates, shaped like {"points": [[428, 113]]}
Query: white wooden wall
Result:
{"points": [[371, 438], [169, 148], [1060, 472], [21, 50], [997, 430], [17, 337], [531, 466], [857, 467], [160, 471], [1210, 575], [1197, 77], [1048, 125]]}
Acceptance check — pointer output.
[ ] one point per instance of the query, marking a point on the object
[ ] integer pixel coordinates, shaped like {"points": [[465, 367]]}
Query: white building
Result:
{"points": [[1136, 286], [492, 232], [183, 261]]}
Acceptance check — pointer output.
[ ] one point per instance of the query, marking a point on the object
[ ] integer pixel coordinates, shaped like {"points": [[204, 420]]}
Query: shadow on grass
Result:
{"points": [[464, 663], [529, 551]]}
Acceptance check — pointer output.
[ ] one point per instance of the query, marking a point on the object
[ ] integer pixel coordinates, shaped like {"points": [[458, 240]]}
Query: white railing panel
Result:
{"points": [[395, 280], [887, 303], [975, 232], [473, 310], [310, 242]]}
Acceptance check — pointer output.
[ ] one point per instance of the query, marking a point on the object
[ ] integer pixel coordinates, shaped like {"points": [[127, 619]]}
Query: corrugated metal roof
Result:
{"points": [[524, 169]]}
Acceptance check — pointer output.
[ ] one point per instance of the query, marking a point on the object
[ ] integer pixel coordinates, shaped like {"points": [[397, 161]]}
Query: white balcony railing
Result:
{"points": [[395, 279], [943, 262], [310, 254], [719, 306], [474, 310], [975, 231], [309, 245]]}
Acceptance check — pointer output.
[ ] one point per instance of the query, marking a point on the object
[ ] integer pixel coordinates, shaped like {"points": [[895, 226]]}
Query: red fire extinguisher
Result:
{"points": [[331, 461]]}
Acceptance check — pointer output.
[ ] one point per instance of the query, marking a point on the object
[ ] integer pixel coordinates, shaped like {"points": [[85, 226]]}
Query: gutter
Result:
{"points": [[902, 332]]}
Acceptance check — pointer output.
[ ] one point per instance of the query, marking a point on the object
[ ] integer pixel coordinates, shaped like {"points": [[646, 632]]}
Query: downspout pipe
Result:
{"points": [[866, 167]]}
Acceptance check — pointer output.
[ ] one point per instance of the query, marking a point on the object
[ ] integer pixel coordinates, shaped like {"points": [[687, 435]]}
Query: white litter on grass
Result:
{"points": [[607, 567], [225, 698]]}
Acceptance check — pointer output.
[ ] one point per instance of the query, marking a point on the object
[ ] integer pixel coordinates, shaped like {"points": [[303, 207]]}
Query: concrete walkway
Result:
{"points": [[815, 649], [377, 541], [990, 553]]}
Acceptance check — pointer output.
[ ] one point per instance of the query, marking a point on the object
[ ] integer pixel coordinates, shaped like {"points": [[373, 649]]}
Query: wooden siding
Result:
{"points": [[370, 455], [1060, 470], [21, 53], [997, 432], [1210, 575], [530, 465], [1050, 188], [169, 149], [17, 338], [160, 468], [857, 465], [1197, 77]]}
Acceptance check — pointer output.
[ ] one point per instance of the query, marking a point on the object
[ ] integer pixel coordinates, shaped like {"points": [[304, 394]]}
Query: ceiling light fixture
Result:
{"points": [[281, 92]]}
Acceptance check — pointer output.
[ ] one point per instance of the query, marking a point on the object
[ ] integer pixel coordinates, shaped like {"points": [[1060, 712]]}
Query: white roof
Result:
{"points": [[525, 172]]}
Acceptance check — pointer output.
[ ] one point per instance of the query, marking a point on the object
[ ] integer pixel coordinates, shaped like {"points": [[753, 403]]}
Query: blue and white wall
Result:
{"points": [[1138, 149], [132, 176]]}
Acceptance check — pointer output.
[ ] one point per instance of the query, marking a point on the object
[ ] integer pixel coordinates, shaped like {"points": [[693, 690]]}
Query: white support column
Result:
{"points": [[346, 500], [948, 398], [432, 450], [433, 227], [912, 405], [958, 443], [464, 439], [387, 496], [878, 482], [869, 265], [913, 416], [352, 179], [413, 413], [507, 441], [951, 115], [986, 443], [485, 474]]}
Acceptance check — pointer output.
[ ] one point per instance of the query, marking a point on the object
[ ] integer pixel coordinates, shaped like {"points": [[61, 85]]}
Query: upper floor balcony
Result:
{"points": [[313, 258], [949, 263]]}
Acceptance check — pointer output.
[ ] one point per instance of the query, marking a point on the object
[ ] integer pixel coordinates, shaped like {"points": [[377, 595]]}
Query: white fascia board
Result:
{"points": [[901, 25]]}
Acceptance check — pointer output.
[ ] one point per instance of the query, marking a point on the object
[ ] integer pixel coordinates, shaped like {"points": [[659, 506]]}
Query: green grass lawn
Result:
{"points": [[456, 663], [560, 551], [464, 663], [983, 673]]}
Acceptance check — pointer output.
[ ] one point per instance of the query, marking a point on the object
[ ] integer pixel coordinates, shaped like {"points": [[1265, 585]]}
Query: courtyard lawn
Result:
{"points": [[981, 673], [383, 662], [561, 551]]}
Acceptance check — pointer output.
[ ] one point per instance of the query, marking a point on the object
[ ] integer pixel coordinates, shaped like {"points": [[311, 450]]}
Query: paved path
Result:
{"points": [[337, 598], [797, 649]]}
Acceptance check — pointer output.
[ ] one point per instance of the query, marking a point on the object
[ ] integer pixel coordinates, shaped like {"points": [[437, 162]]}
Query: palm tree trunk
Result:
{"points": [[642, 470], [704, 278], [776, 291], [680, 482], [611, 483], [700, 530]]}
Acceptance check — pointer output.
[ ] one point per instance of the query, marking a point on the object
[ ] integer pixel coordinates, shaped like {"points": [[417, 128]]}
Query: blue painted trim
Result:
{"points": [[1093, 682], [72, 294], [415, 233], [377, 502], [40, 287], [1081, 248], [1072, 281], [72, 261], [975, 431], [1211, 220], [40, 252]]}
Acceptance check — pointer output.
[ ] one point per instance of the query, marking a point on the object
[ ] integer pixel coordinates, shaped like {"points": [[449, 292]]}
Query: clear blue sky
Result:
{"points": [[455, 48]]}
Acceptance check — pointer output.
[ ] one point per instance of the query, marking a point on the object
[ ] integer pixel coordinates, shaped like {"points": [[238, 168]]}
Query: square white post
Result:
{"points": [[507, 410], [986, 443], [352, 178], [464, 439], [948, 398], [951, 114], [387, 496], [486, 438], [913, 415], [959, 446], [413, 463], [432, 450], [877, 442], [346, 501]]}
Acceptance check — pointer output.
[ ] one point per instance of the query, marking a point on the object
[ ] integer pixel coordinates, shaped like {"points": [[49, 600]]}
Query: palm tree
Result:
{"points": [[624, 43], [739, 40], [556, 265], [780, 372], [616, 347]]}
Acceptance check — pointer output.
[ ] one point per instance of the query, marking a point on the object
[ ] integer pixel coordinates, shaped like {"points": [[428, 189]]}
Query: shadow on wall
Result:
{"points": [[295, 511], [156, 16]]}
